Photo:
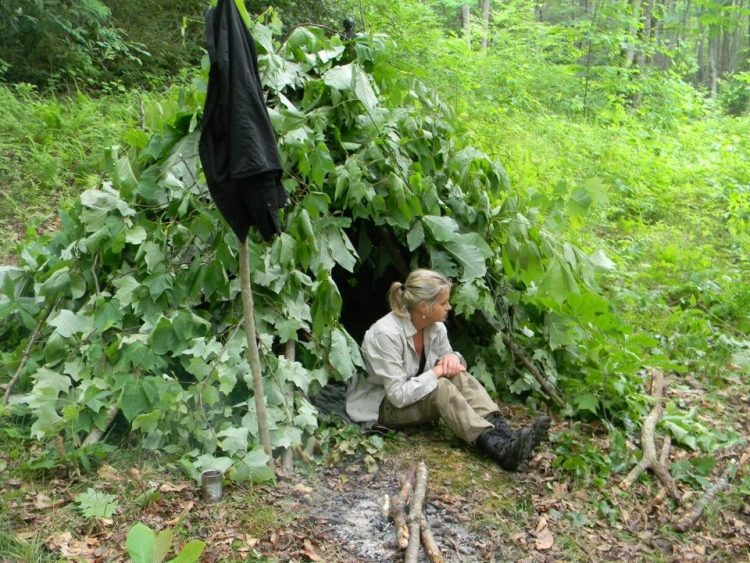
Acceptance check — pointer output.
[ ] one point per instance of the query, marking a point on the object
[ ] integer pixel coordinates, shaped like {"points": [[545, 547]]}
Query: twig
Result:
{"points": [[519, 353], [398, 510], [27, 350], [415, 514], [428, 541], [692, 516], [649, 459]]}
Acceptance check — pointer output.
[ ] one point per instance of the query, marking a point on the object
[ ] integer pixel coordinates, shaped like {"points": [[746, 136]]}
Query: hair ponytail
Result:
{"points": [[421, 286]]}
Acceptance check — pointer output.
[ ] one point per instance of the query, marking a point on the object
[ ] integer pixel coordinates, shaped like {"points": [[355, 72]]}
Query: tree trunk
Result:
{"points": [[713, 63], [538, 12], [485, 4], [464, 14], [634, 34]]}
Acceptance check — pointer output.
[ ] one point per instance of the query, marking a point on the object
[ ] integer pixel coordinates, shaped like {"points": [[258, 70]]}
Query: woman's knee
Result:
{"points": [[445, 386]]}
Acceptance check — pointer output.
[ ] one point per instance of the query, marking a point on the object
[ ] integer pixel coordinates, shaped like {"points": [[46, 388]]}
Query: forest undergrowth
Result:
{"points": [[675, 224]]}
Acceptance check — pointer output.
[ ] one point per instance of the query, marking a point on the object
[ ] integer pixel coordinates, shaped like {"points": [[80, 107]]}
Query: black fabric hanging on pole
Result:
{"points": [[237, 144]]}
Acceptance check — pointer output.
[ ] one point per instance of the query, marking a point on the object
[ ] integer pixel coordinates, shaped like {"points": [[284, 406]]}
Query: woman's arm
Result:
{"points": [[385, 355], [450, 361]]}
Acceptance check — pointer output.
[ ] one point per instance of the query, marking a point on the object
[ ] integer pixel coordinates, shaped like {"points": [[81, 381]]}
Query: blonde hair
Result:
{"points": [[421, 286]]}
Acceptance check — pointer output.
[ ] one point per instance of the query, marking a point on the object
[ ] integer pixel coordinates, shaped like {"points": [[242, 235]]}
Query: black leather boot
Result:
{"points": [[500, 424], [540, 429], [511, 453]]}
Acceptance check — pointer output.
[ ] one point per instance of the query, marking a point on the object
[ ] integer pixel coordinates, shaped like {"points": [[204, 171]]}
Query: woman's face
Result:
{"points": [[440, 307]]}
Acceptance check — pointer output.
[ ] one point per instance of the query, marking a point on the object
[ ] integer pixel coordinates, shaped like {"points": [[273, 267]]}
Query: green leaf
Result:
{"points": [[54, 284], [326, 305], [162, 544], [415, 237], [190, 553], [340, 356], [295, 372], [471, 252], [95, 504], [558, 282], [352, 77], [443, 229], [67, 323], [587, 402], [147, 422], [134, 400], [127, 286], [235, 440], [140, 543]]}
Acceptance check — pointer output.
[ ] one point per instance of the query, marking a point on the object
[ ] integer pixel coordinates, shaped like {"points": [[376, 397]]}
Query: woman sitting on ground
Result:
{"points": [[414, 376]]}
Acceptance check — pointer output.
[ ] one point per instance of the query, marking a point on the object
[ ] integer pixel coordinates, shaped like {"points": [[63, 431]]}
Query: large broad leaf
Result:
{"points": [[140, 543], [67, 323], [190, 553], [96, 504], [558, 282], [294, 372], [340, 355], [326, 306], [471, 252], [443, 229], [234, 440], [352, 77]]}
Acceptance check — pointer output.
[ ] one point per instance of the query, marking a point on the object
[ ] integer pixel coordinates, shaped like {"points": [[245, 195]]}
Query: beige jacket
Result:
{"points": [[392, 364]]}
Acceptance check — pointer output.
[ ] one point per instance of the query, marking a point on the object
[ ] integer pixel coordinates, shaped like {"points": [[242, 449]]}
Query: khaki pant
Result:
{"points": [[460, 401]]}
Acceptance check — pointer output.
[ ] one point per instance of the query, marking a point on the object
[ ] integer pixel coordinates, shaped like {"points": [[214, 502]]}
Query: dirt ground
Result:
{"points": [[477, 512]]}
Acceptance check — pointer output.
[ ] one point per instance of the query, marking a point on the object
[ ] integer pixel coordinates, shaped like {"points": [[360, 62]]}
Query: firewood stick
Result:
{"points": [[428, 541], [692, 516], [649, 459], [398, 510], [385, 507], [415, 514]]}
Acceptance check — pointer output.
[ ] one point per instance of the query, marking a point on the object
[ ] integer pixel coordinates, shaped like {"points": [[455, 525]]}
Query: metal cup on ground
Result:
{"points": [[211, 483]]}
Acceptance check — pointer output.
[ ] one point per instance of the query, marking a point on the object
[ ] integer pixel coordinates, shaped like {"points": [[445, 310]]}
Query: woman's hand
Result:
{"points": [[448, 366]]}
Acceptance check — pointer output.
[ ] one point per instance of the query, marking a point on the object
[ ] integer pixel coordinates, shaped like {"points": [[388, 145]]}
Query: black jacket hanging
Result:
{"points": [[237, 145]]}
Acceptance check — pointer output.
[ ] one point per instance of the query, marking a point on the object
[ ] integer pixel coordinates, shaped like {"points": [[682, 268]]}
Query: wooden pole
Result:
{"points": [[252, 346], [287, 458]]}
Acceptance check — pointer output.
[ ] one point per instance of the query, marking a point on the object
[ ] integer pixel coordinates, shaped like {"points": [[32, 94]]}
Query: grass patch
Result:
{"points": [[50, 150]]}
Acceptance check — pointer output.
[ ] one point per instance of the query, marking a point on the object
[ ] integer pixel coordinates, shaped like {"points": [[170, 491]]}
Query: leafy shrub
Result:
{"points": [[136, 295], [54, 43]]}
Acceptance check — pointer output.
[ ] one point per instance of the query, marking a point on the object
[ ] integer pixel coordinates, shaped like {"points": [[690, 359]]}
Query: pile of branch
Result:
{"points": [[412, 528]]}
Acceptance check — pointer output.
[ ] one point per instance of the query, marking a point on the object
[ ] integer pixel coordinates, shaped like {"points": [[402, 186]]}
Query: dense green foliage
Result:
{"points": [[55, 43], [136, 296], [141, 283], [171, 31]]}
